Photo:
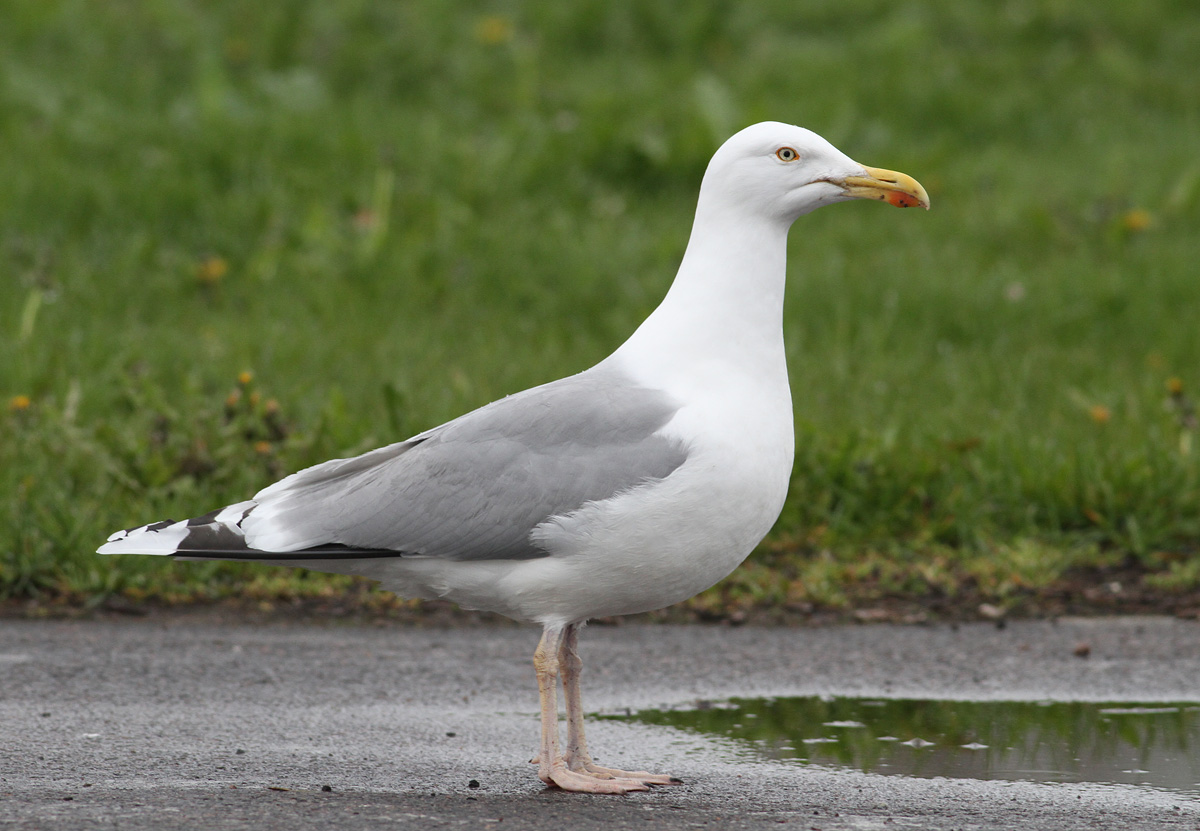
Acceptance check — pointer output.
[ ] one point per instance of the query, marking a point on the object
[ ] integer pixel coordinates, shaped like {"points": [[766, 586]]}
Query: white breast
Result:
{"points": [[669, 540]]}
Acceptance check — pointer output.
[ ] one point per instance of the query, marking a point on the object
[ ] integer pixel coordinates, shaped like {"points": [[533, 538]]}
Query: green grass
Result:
{"points": [[390, 213]]}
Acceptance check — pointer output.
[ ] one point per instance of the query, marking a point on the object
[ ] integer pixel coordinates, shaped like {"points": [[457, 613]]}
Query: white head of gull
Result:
{"points": [[628, 487]]}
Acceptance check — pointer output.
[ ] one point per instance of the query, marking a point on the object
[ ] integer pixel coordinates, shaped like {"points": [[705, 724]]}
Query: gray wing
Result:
{"points": [[476, 487]]}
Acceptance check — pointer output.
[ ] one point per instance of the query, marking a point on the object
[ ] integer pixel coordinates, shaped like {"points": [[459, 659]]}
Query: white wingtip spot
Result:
{"points": [[145, 541]]}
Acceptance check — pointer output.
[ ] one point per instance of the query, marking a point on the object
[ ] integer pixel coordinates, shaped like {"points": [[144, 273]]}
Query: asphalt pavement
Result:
{"points": [[172, 723]]}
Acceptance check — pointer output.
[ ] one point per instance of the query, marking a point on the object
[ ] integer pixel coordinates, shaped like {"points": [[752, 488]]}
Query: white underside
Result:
{"points": [[643, 550]]}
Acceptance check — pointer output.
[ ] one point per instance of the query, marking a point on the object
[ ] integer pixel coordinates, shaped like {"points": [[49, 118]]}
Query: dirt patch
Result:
{"points": [[1115, 590]]}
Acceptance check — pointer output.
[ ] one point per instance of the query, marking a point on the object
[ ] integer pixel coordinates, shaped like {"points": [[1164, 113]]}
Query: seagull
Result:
{"points": [[630, 486]]}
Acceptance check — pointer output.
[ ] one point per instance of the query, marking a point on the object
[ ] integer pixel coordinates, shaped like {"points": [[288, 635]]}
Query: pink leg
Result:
{"points": [[577, 756], [552, 768]]}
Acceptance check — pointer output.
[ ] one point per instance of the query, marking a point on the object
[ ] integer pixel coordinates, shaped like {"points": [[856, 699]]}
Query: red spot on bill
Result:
{"points": [[901, 200]]}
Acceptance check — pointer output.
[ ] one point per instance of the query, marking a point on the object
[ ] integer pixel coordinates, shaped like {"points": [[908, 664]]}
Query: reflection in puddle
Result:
{"points": [[1152, 744]]}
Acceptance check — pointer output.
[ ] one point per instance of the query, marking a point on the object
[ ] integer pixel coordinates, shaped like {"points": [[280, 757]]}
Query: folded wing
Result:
{"points": [[471, 489]]}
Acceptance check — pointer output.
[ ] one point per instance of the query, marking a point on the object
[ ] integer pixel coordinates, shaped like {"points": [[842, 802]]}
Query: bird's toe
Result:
{"points": [[561, 776]]}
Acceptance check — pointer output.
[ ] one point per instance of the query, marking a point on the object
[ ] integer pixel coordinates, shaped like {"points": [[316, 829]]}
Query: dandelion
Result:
{"points": [[493, 30], [18, 403], [211, 269], [1137, 220], [244, 378], [1185, 409], [1100, 414]]}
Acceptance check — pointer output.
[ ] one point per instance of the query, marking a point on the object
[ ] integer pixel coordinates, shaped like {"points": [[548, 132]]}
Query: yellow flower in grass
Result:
{"points": [[262, 447], [1100, 414], [245, 377], [210, 270], [18, 403], [1137, 220], [493, 30], [1175, 386]]}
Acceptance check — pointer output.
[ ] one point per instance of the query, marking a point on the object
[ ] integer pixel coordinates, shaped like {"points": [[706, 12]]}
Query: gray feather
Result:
{"points": [[476, 487]]}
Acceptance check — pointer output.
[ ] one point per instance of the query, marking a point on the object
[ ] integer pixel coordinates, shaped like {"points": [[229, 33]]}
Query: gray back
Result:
{"points": [[475, 487]]}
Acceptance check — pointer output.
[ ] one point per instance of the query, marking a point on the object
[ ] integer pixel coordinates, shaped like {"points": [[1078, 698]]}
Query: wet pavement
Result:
{"points": [[1155, 744], [170, 723]]}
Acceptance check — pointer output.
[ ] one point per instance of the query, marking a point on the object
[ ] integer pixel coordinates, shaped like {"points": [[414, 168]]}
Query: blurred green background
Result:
{"points": [[239, 238]]}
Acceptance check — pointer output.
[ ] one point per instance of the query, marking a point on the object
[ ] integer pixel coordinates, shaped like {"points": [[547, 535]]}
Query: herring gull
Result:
{"points": [[633, 485]]}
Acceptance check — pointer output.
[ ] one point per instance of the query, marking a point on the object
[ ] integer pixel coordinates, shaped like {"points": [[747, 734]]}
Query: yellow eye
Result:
{"points": [[786, 154]]}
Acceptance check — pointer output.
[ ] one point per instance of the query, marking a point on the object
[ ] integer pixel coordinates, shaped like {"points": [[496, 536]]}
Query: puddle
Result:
{"points": [[1137, 744]]}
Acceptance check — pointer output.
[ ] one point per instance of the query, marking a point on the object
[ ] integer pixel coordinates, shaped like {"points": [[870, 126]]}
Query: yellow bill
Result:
{"points": [[898, 189]]}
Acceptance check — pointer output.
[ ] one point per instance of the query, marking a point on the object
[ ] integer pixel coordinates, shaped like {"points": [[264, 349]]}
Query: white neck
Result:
{"points": [[725, 306]]}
